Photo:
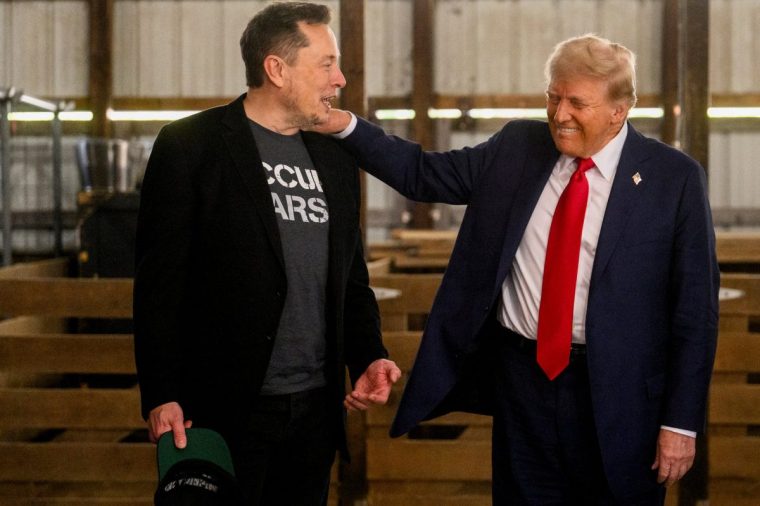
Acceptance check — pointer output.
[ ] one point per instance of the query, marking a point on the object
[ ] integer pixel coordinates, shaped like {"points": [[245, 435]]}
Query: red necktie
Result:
{"points": [[555, 314]]}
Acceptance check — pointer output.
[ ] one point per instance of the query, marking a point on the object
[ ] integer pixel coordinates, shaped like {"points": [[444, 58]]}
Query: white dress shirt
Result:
{"points": [[521, 291]]}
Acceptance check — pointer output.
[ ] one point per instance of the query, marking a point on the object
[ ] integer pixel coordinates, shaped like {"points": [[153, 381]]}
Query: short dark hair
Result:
{"points": [[275, 30]]}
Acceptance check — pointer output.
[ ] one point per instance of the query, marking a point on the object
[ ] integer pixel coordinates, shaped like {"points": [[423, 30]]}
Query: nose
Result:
{"points": [[561, 112], [339, 80]]}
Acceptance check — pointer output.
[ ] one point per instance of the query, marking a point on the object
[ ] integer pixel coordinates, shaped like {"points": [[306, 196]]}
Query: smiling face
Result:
{"points": [[311, 82], [582, 117]]}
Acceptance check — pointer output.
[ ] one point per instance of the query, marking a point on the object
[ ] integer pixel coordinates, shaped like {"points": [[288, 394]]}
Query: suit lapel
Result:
{"points": [[247, 162], [536, 170], [321, 151], [622, 201]]}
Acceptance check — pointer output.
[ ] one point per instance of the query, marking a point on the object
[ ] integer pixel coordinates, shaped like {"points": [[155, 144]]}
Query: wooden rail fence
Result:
{"points": [[70, 431]]}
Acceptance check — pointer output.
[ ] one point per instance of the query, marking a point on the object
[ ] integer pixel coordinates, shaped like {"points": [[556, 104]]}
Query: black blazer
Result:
{"points": [[210, 281]]}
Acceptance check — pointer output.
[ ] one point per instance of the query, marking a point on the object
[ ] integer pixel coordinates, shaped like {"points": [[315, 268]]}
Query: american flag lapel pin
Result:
{"points": [[636, 179]]}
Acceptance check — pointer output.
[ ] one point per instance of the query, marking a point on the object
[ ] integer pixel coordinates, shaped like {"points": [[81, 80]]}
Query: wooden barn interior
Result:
{"points": [[446, 73]]}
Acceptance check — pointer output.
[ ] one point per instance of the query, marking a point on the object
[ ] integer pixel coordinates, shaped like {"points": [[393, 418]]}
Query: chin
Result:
{"points": [[565, 147]]}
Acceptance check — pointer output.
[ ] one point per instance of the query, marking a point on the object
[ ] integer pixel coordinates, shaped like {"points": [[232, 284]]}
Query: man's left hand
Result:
{"points": [[675, 456], [374, 386]]}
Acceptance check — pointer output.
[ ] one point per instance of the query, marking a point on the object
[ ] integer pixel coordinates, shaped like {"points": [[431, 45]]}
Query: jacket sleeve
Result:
{"points": [[695, 282], [425, 176], [161, 275]]}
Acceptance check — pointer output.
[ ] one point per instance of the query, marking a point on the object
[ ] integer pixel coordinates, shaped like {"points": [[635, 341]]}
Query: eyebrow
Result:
{"points": [[571, 98]]}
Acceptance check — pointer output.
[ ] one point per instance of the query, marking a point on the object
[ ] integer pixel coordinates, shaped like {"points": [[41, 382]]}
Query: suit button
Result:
{"points": [[278, 294], [269, 337], [485, 309]]}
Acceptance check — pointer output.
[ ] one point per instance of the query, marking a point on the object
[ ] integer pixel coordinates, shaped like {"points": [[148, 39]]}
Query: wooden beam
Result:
{"points": [[737, 405], [685, 97], [417, 292], [738, 247], [435, 460], [354, 98], [57, 267], [67, 353], [84, 298], [76, 408], [735, 457], [168, 103], [59, 462], [735, 99], [101, 65], [695, 85], [738, 352], [670, 72], [422, 94]]}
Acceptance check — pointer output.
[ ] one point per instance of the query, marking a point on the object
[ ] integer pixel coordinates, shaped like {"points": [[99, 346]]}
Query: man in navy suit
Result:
{"points": [[614, 420]]}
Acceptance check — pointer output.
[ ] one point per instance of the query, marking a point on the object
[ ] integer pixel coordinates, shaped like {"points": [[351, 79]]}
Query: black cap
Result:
{"points": [[201, 473]]}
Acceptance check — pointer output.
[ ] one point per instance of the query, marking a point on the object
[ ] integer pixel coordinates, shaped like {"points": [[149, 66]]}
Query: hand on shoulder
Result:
{"points": [[337, 121]]}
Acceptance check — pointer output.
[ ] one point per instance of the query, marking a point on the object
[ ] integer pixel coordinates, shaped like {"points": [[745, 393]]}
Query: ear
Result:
{"points": [[620, 112], [275, 69]]}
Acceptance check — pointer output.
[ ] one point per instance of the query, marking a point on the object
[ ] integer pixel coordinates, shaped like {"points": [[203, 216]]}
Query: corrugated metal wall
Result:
{"points": [[183, 48], [189, 48], [44, 47]]}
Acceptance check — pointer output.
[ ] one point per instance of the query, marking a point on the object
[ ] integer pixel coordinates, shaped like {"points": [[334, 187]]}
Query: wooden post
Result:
{"points": [[670, 73], [353, 484], [422, 94], [101, 65], [695, 92], [354, 96], [693, 136]]}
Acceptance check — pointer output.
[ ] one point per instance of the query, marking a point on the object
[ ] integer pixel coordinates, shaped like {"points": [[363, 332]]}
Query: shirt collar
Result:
{"points": [[606, 160]]}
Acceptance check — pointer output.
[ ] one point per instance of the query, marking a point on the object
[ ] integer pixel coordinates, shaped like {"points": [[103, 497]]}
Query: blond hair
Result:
{"points": [[594, 56]]}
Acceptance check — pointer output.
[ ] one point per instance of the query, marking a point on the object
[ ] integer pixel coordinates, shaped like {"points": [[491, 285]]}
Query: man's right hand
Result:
{"points": [[337, 121], [168, 417]]}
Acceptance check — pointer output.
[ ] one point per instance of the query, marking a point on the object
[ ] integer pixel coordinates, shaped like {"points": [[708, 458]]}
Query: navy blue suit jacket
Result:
{"points": [[651, 323]]}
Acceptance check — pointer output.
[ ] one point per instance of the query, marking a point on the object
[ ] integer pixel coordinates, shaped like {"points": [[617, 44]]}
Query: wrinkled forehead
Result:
{"points": [[579, 86]]}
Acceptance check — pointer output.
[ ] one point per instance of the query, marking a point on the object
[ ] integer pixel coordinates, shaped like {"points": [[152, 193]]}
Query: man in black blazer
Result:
{"points": [[251, 289], [615, 415]]}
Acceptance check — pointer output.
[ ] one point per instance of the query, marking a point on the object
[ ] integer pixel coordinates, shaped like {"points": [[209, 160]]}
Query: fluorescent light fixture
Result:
{"points": [[646, 112], [76, 116], [733, 112], [147, 115], [537, 113], [383, 114], [507, 113], [45, 105], [31, 116], [444, 113], [48, 116]]}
